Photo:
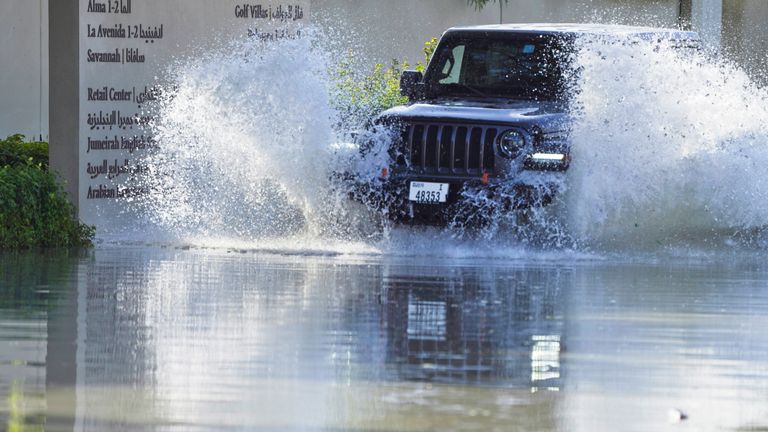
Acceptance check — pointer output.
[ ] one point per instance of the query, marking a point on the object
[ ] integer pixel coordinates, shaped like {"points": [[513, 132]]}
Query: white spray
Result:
{"points": [[665, 148], [243, 142]]}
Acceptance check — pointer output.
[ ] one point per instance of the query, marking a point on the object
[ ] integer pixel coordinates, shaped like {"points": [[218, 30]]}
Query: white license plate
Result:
{"points": [[428, 193]]}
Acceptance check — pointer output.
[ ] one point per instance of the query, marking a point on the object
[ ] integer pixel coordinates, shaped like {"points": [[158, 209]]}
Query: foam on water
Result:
{"points": [[666, 149]]}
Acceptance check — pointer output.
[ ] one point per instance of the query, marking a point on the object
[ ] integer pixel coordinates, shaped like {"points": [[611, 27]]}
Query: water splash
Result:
{"points": [[244, 143], [668, 146], [666, 149]]}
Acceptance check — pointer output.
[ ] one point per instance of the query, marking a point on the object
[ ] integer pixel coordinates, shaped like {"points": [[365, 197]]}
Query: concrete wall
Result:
{"points": [[381, 30], [659, 13], [707, 19], [24, 68], [745, 35]]}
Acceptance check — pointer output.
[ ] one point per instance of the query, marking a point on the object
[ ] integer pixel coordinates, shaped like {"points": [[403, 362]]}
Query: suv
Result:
{"points": [[487, 123]]}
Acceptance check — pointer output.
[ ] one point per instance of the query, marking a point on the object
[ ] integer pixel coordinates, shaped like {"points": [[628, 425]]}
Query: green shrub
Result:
{"points": [[15, 151], [34, 210], [360, 97]]}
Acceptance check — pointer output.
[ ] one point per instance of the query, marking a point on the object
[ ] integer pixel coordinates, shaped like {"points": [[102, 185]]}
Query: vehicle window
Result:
{"points": [[508, 66], [497, 64], [452, 69]]}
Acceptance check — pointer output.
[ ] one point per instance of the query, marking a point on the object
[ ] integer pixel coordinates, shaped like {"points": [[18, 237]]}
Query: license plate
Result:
{"points": [[428, 193]]}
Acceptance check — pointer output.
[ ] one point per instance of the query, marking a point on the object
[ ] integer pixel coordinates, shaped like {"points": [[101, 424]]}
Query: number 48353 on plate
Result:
{"points": [[428, 193]]}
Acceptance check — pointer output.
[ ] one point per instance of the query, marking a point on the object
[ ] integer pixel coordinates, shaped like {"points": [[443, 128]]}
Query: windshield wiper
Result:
{"points": [[473, 90]]}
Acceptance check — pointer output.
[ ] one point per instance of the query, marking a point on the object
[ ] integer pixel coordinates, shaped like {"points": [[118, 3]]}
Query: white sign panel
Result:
{"points": [[126, 45]]}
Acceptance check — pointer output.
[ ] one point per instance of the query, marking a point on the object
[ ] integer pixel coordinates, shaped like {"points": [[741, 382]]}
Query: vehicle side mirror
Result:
{"points": [[411, 84]]}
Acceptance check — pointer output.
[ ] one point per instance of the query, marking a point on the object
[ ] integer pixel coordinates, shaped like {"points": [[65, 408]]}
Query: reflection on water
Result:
{"points": [[169, 339], [475, 326], [22, 361], [30, 287]]}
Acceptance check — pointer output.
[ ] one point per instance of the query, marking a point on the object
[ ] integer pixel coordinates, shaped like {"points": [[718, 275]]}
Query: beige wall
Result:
{"points": [[658, 13], [24, 68], [381, 30]]}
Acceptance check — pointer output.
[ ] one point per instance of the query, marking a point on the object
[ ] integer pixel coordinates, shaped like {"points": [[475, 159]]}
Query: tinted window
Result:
{"points": [[499, 66]]}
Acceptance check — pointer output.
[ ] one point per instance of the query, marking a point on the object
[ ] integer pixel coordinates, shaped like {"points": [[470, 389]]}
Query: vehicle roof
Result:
{"points": [[581, 29]]}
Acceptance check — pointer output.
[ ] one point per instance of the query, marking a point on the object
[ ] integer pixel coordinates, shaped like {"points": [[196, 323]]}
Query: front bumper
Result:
{"points": [[470, 200]]}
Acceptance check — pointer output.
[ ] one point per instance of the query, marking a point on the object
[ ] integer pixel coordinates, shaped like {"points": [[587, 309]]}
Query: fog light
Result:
{"points": [[548, 157], [547, 161]]}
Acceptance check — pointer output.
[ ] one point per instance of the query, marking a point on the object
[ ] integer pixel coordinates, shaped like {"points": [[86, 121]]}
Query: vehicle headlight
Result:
{"points": [[511, 143]]}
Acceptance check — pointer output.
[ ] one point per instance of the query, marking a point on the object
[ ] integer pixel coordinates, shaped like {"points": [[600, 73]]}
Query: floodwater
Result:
{"points": [[170, 338], [666, 333]]}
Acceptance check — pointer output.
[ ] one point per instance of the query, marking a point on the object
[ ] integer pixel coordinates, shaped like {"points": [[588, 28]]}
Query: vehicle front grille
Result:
{"points": [[446, 148]]}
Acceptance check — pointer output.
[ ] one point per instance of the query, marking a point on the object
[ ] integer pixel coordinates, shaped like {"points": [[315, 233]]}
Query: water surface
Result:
{"points": [[168, 338]]}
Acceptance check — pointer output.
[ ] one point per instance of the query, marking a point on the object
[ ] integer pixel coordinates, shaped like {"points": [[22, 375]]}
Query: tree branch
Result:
{"points": [[479, 4]]}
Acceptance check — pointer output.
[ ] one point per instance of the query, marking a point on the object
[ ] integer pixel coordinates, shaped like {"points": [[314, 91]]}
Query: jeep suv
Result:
{"points": [[488, 121]]}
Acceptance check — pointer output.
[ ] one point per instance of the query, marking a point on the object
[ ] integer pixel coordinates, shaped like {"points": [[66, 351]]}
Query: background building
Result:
{"points": [[24, 70], [379, 31]]}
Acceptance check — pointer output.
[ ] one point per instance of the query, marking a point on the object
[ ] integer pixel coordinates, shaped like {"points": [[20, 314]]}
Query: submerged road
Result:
{"points": [[152, 338]]}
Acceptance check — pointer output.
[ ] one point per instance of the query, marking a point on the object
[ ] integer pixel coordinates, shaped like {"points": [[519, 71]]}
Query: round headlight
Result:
{"points": [[511, 143]]}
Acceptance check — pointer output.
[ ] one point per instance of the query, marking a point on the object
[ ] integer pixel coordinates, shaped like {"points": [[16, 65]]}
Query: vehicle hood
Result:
{"points": [[526, 114]]}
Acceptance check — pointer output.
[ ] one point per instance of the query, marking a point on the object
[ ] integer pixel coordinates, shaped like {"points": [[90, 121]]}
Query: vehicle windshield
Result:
{"points": [[507, 66]]}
